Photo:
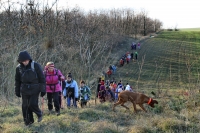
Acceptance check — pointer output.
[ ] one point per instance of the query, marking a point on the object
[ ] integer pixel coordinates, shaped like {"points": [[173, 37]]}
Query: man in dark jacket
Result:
{"points": [[29, 82]]}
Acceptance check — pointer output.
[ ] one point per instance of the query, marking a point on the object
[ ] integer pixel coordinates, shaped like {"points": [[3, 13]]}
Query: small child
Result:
{"points": [[84, 94]]}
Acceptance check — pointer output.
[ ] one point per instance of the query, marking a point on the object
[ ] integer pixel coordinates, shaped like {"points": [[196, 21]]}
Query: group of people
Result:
{"points": [[111, 70], [126, 58], [31, 81], [134, 45], [110, 89]]}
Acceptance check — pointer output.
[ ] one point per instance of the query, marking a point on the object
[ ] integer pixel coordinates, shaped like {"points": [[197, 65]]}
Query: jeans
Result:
{"points": [[69, 101]]}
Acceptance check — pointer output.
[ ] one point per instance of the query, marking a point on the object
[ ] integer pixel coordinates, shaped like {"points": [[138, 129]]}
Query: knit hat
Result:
{"points": [[69, 75]]}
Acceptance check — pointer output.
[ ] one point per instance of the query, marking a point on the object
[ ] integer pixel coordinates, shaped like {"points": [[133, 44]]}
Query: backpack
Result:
{"points": [[45, 73], [28, 75], [32, 68]]}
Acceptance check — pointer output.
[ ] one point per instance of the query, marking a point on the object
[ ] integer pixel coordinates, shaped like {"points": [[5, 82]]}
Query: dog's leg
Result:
{"points": [[117, 103], [134, 106], [141, 105], [124, 105]]}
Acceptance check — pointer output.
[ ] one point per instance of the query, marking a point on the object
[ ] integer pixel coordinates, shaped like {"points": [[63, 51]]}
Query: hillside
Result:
{"points": [[167, 66]]}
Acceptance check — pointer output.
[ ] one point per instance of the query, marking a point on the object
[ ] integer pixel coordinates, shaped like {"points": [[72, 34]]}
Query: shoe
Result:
{"points": [[40, 118], [57, 113], [28, 124]]}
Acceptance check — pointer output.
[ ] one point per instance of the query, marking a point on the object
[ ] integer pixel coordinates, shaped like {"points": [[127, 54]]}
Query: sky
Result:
{"points": [[173, 13]]}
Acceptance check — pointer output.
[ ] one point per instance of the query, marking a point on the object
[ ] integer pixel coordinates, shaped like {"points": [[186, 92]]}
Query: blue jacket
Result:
{"points": [[74, 85]]}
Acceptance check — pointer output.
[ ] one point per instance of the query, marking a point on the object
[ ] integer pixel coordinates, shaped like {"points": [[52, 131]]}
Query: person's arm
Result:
{"points": [[60, 75], [88, 91], [76, 89], [17, 82], [65, 91]]}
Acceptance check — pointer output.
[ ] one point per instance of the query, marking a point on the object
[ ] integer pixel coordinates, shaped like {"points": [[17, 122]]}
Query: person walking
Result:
{"points": [[136, 55], [71, 91], [138, 45], [29, 83], [85, 94], [53, 78]]}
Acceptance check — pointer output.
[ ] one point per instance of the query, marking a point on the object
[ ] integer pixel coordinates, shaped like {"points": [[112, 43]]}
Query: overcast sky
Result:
{"points": [[173, 13]]}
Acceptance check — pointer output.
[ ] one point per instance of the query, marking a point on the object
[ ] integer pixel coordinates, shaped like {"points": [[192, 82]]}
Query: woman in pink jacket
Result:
{"points": [[53, 78]]}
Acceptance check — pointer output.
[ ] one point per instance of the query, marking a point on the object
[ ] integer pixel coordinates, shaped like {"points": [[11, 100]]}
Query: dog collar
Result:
{"points": [[149, 101]]}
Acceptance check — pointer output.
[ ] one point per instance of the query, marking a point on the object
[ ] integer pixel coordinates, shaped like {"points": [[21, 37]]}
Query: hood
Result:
{"points": [[23, 55]]}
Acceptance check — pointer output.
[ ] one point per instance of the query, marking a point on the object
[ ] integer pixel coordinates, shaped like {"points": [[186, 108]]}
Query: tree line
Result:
{"points": [[76, 41]]}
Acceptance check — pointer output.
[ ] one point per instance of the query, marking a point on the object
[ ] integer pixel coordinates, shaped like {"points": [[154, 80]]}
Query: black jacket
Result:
{"points": [[29, 82]]}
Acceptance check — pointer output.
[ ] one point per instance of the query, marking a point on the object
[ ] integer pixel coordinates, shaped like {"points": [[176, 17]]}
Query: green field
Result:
{"points": [[167, 64], [170, 60]]}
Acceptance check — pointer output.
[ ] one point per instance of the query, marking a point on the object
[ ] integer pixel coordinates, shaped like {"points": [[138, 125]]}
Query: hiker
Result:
{"points": [[136, 55], [102, 93], [85, 94], [53, 78], [110, 89], [114, 68], [132, 55], [133, 45], [138, 45], [128, 58], [128, 88], [121, 62], [71, 91], [29, 83], [98, 87], [110, 68], [117, 91], [109, 73]]}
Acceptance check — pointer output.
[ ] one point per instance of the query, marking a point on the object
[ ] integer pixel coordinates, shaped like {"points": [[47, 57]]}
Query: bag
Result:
{"points": [[31, 76]]}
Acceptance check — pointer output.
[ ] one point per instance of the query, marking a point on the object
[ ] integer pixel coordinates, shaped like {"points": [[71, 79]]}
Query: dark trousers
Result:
{"points": [[53, 98], [30, 105], [60, 98]]}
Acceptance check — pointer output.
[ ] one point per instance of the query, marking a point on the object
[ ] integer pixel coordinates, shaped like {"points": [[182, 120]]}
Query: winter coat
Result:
{"points": [[53, 81], [27, 80], [73, 84], [128, 88], [85, 93]]}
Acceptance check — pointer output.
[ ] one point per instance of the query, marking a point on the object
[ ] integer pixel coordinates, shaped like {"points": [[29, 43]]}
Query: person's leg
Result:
{"points": [[30, 116], [60, 100], [56, 101], [34, 107], [74, 102], [25, 109], [68, 102], [49, 99]]}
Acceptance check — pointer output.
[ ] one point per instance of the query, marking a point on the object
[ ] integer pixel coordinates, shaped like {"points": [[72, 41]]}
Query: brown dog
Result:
{"points": [[135, 98]]}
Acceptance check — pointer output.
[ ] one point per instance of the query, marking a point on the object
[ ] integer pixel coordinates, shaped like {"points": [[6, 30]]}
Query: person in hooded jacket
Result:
{"points": [[29, 83], [71, 91], [53, 78], [84, 93]]}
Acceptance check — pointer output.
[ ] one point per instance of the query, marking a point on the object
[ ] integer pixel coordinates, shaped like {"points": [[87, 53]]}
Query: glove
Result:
{"points": [[42, 94], [65, 97], [17, 94]]}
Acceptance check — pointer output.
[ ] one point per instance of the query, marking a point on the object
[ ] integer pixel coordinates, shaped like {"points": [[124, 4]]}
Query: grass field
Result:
{"points": [[167, 64]]}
